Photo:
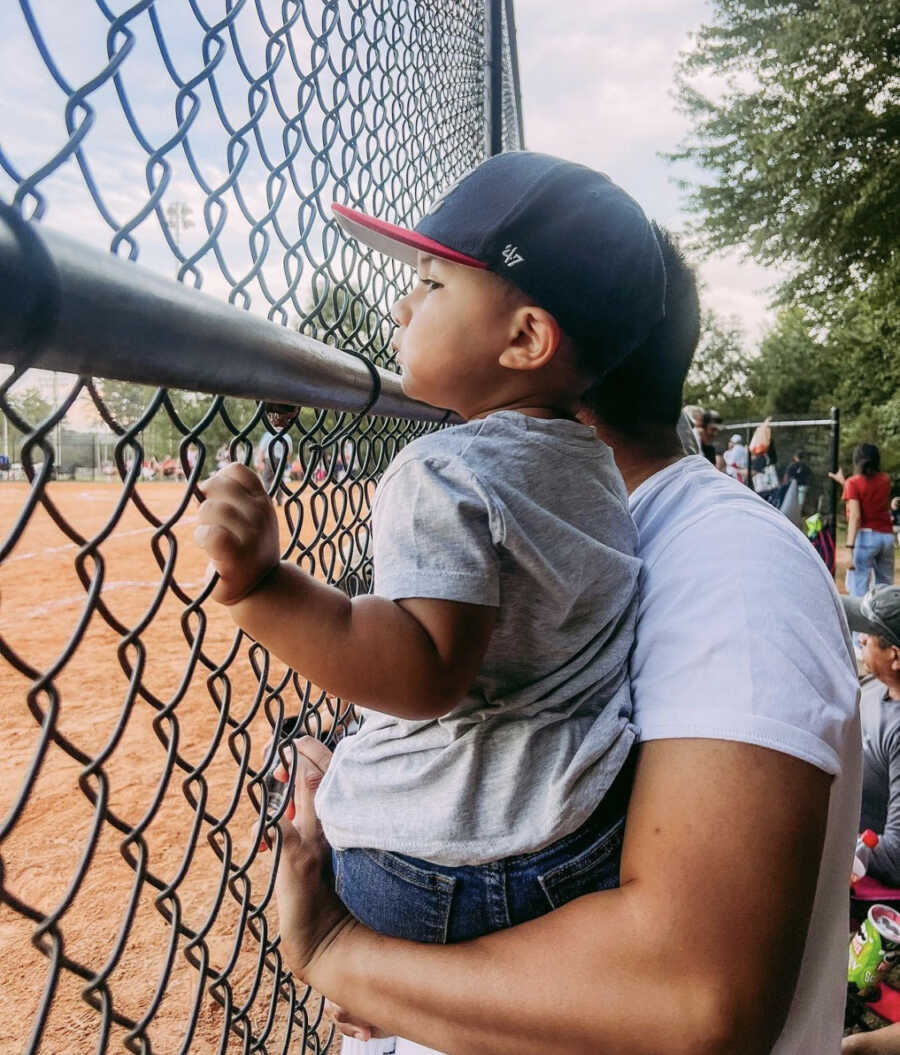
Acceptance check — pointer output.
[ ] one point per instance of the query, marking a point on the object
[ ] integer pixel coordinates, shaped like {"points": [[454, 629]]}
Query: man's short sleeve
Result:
{"points": [[435, 527], [740, 637]]}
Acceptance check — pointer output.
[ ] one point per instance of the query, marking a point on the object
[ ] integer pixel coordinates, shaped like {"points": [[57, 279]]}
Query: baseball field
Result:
{"points": [[188, 823]]}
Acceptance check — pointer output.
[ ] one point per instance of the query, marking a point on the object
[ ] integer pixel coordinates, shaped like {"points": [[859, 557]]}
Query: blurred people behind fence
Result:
{"points": [[800, 471], [710, 424], [870, 534], [692, 420], [737, 458]]}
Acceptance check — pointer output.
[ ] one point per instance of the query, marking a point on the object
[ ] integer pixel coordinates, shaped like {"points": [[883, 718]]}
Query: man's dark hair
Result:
{"points": [[866, 459], [644, 392]]}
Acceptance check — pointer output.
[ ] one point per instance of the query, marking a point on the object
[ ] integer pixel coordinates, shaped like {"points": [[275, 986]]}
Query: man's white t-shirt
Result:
{"points": [[741, 636]]}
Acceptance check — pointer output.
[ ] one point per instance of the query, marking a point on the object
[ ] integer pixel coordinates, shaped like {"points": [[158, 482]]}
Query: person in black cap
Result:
{"points": [[493, 655], [876, 617]]}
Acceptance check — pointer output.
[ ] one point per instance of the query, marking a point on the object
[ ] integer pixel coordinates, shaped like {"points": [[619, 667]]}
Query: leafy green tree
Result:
{"points": [[802, 151], [719, 378], [30, 405], [795, 372], [865, 346]]}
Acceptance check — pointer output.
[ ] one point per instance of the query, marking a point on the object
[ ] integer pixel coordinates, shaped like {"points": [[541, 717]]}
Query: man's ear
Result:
{"points": [[534, 339]]}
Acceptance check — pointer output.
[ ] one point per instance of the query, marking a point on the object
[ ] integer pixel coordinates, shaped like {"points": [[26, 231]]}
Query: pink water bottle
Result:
{"points": [[865, 844]]}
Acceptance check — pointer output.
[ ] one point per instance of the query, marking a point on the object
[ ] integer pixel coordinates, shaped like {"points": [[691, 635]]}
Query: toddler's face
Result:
{"points": [[451, 330]]}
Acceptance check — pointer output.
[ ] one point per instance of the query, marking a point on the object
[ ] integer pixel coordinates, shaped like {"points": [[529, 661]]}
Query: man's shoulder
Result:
{"points": [[690, 503]]}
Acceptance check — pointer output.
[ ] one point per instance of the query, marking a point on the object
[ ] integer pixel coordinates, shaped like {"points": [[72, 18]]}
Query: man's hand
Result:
{"points": [[239, 530], [885, 1041], [351, 1026], [310, 913]]}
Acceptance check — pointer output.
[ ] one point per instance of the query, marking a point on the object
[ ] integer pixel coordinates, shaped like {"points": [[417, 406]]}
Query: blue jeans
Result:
{"points": [[404, 897], [873, 556]]}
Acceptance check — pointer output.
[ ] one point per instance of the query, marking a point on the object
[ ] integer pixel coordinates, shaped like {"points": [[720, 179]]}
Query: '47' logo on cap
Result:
{"points": [[511, 255]]}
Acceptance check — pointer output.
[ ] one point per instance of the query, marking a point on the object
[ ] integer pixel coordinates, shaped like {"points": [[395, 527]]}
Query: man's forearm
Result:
{"points": [[368, 650], [503, 995], [581, 978]]}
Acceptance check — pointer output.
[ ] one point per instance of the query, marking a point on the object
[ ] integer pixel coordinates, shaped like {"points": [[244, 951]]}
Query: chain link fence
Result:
{"points": [[147, 142]]}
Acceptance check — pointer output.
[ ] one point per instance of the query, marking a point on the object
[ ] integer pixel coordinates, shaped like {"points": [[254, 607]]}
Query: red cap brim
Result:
{"points": [[398, 242]]}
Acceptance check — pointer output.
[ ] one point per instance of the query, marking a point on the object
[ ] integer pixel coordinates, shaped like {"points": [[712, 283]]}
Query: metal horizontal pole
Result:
{"points": [[778, 424], [118, 320]]}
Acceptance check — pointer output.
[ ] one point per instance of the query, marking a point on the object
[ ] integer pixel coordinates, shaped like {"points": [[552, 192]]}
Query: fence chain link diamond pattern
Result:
{"points": [[205, 141]]}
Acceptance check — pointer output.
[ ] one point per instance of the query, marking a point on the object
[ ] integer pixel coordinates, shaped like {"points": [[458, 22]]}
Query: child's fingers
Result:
{"points": [[220, 543], [239, 475], [217, 512]]}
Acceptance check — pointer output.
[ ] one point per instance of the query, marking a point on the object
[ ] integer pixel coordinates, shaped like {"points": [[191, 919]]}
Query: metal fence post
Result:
{"points": [[835, 462], [493, 80]]}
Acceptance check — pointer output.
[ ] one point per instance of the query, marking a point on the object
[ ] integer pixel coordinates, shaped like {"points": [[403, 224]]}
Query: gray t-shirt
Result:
{"points": [[531, 516]]}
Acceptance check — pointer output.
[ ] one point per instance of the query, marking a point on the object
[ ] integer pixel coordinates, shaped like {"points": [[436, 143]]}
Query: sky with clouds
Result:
{"points": [[597, 81]]}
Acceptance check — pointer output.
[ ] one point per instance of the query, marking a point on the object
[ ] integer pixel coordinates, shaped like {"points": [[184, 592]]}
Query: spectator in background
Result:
{"points": [[710, 423], [870, 533], [800, 471], [765, 477], [876, 617], [694, 416], [737, 458], [895, 518]]}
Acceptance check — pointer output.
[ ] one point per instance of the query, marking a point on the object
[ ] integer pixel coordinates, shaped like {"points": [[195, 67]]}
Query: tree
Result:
{"points": [[803, 148], [719, 376], [795, 372], [30, 405], [864, 342]]}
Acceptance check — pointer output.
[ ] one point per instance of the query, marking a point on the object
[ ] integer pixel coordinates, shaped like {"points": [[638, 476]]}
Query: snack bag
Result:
{"points": [[865, 956]]}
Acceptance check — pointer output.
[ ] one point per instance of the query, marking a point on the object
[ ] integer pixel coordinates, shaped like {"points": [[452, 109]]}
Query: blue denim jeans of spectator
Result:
{"points": [[873, 556], [404, 897]]}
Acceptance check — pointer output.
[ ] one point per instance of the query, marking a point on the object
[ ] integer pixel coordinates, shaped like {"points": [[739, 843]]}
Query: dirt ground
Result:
{"points": [[41, 604]]}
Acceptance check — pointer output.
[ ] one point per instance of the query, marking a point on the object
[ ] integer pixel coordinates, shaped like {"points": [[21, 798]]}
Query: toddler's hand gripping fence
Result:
{"points": [[200, 142]]}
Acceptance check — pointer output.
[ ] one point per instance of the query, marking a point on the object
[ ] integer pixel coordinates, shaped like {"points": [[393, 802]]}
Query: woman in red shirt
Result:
{"points": [[869, 532]]}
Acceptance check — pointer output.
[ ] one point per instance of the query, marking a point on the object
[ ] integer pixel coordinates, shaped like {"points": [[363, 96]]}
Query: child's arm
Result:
{"points": [[413, 658]]}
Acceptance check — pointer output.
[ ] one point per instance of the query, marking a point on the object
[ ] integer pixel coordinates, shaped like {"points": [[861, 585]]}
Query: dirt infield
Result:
{"points": [[41, 601]]}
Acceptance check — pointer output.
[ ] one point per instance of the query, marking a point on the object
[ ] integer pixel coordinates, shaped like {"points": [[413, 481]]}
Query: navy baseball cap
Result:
{"points": [[565, 235], [878, 612]]}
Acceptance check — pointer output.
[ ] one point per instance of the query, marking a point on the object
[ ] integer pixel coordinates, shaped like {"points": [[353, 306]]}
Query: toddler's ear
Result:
{"points": [[534, 339]]}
